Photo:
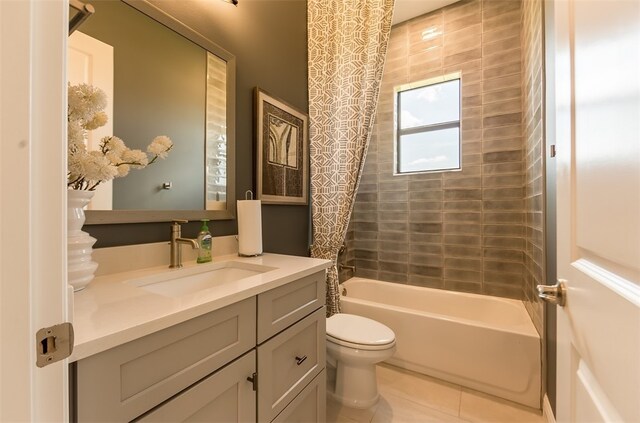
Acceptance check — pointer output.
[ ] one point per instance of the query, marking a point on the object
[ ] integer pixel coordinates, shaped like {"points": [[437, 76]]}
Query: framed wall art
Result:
{"points": [[282, 151]]}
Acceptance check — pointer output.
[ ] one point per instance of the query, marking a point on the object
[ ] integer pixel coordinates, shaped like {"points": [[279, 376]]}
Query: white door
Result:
{"points": [[597, 100], [33, 288], [90, 61]]}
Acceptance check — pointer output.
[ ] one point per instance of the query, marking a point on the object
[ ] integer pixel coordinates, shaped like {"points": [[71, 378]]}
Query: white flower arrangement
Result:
{"points": [[113, 159]]}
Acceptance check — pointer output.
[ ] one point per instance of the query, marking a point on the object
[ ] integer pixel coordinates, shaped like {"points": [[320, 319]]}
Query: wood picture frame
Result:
{"points": [[282, 151]]}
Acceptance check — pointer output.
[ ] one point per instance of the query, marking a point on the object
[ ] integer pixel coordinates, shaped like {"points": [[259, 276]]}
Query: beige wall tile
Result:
{"points": [[462, 9], [463, 57], [500, 45], [500, 107], [462, 22], [507, 94], [504, 144], [502, 58], [501, 32], [464, 264], [463, 34], [502, 120], [453, 217], [500, 168], [498, 20], [462, 251], [501, 83], [472, 42], [474, 217], [502, 132], [504, 217], [472, 287], [498, 7], [462, 229]]}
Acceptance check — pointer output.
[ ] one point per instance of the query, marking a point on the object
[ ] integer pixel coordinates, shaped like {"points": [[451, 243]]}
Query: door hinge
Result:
{"points": [[552, 150], [254, 380], [54, 343]]}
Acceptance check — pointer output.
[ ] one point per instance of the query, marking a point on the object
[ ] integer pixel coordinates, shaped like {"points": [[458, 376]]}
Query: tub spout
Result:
{"points": [[345, 267]]}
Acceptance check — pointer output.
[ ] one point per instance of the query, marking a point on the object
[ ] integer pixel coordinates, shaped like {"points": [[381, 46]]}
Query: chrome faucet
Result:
{"points": [[176, 240]]}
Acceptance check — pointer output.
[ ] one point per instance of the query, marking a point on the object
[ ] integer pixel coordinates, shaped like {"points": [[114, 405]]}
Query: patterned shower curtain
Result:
{"points": [[347, 48]]}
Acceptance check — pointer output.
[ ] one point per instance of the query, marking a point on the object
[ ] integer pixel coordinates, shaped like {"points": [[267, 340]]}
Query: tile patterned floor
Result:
{"points": [[411, 397]]}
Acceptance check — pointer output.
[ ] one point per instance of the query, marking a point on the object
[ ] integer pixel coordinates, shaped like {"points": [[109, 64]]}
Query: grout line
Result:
{"points": [[460, 404]]}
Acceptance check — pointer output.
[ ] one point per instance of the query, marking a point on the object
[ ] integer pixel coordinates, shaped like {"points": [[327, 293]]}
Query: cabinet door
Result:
{"points": [[225, 396], [309, 406], [126, 381], [288, 362], [281, 307]]}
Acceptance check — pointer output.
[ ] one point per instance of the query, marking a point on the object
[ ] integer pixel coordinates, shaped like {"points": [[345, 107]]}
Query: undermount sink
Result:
{"points": [[176, 283]]}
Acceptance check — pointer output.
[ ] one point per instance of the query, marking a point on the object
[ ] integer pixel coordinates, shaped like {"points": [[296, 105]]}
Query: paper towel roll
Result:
{"points": [[249, 228]]}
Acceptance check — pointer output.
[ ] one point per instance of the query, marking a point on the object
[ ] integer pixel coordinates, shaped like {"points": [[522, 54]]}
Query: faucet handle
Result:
{"points": [[176, 229]]}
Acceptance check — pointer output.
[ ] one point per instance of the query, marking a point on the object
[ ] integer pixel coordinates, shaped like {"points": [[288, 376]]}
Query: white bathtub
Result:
{"points": [[485, 343]]}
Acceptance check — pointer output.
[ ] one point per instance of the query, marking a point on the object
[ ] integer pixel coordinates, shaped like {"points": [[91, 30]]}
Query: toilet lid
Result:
{"points": [[358, 330]]}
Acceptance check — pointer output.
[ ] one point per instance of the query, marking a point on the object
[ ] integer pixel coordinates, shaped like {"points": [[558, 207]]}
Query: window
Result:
{"points": [[427, 127]]}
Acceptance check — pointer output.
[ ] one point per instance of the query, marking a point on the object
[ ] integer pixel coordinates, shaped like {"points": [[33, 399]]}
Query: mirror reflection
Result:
{"points": [[158, 83]]}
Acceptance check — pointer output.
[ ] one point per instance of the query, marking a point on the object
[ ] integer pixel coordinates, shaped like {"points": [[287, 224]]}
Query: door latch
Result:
{"points": [[554, 294], [54, 343]]}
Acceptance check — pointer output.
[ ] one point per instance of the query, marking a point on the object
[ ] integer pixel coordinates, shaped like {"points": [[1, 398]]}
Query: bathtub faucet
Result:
{"points": [[345, 267]]}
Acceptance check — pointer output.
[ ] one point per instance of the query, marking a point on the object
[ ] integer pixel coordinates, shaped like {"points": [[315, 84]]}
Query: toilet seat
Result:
{"points": [[358, 332]]}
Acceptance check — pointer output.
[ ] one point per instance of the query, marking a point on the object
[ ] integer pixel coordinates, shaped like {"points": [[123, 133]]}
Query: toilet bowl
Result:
{"points": [[354, 345]]}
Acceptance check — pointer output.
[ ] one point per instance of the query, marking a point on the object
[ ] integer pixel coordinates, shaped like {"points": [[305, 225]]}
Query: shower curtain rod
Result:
{"points": [[84, 12]]}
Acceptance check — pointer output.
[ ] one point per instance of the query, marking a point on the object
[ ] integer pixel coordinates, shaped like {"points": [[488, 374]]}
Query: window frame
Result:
{"points": [[397, 132]]}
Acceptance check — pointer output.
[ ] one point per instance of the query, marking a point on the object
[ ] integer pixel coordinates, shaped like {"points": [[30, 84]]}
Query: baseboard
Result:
{"points": [[547, 411]]}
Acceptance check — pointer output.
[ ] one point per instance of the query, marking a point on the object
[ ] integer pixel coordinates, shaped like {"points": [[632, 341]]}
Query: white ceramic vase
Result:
{"points": [[80, 267]]}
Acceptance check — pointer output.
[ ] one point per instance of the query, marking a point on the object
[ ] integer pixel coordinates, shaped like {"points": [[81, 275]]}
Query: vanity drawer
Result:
{"points": [[124, 382], [309, 406], [288, 362], [281, 307], [225, 396]]}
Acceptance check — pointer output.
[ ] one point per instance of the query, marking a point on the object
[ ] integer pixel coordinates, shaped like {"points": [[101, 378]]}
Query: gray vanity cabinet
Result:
{"points": [[288, 362], [291, 346], [204, 369], [309, 405], [225, 396], [124, 382]]}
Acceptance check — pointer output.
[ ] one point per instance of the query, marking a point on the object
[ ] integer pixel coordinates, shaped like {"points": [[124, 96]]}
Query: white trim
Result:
{"points": [[33, 285], [621, 286], [547, 411]]}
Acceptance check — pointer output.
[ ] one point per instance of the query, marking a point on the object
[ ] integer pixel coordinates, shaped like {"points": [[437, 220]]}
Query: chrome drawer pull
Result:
{"points": [[300, 360]]}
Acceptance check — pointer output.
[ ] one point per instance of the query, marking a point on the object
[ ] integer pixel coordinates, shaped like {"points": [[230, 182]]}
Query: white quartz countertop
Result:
{"points": [[110, 311]]}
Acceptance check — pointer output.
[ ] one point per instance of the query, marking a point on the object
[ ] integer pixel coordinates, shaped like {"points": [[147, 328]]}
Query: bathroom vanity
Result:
{"points": [[245, 345]]}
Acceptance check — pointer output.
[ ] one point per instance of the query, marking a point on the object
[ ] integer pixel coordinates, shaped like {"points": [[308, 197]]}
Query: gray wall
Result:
{"points": [[269, 39]]}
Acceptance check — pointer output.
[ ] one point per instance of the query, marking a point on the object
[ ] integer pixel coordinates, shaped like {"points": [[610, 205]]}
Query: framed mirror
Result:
{"points": [[167, 79]]}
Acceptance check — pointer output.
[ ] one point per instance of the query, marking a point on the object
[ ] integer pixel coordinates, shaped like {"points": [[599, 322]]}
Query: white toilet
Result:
{"points": [[354, 345]]}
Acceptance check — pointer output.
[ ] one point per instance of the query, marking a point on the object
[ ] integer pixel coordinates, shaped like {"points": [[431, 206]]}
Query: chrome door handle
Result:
{"points": [[554, 294], [300, 360]]}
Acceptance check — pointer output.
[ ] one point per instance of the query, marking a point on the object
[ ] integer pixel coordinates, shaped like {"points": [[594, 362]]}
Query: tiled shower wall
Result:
{"points": [[459, 230], [533, 130]]}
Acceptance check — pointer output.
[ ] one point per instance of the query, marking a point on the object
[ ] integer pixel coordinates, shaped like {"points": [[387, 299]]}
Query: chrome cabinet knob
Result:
{"points": [[554, 294]]}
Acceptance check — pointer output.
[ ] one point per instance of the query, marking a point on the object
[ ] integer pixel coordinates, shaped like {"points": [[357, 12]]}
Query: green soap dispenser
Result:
{"points": [[205, 241]]}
